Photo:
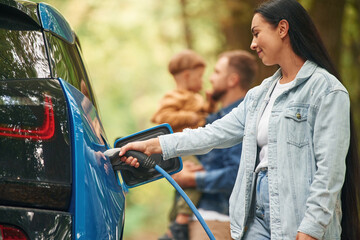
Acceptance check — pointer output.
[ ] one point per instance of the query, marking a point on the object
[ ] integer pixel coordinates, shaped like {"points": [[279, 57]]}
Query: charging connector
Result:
{"points": [[148, 163]]}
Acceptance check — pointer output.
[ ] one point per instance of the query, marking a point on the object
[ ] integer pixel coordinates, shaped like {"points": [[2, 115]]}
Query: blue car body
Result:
{"points": [[97, 197]]}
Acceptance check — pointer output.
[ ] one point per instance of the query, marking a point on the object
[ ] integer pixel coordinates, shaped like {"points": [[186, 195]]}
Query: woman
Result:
{"points": [[295, 128]]}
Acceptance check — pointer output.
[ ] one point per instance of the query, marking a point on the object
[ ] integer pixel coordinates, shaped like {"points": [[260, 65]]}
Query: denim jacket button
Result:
{"points": [[298, 116]]}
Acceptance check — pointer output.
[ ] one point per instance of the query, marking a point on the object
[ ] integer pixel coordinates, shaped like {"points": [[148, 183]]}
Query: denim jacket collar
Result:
{"points": [[304, 73]]}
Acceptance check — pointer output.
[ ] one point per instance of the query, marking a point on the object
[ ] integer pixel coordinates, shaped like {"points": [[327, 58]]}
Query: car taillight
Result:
{"points": [[43, 132], [34, 144], [11, 233]]}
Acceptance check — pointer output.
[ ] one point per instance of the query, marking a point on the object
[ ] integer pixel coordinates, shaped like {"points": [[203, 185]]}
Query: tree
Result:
{"points": [[330, 28], [185, 20], [236, 28]]}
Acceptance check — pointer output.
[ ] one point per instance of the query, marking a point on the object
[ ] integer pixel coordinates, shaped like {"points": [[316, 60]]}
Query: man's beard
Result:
{"points": [[217, 95]]}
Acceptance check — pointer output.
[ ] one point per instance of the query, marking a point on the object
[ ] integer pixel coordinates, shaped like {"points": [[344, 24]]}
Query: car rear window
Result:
{"points": [[22, 48]]}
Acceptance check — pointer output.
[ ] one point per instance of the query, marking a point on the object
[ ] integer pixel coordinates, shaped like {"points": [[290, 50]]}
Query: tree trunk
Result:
{"points": [[236, 29], [328, 17], [185, 20], [355, 60]]}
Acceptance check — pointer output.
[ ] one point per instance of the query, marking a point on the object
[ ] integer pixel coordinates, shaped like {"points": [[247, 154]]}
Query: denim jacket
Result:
{"points": [[308, 139], [221, 166]]}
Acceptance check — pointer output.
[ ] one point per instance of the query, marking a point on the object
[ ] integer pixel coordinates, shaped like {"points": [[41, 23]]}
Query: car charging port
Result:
{"points": [[146, 162]]}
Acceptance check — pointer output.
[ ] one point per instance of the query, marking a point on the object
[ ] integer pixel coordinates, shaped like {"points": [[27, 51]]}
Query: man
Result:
{"points": [[233, 76]]}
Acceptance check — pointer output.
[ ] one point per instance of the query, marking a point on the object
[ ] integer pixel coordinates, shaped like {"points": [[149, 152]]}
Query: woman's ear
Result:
{"points": [[283, 27]]}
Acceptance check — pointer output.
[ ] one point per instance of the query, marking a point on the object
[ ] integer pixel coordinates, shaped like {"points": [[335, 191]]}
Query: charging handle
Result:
{"points": [[144, 160]]}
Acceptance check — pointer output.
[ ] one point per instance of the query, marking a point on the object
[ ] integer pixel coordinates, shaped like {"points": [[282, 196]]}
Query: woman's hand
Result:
{"points": [[303, 236], [148, 147]]}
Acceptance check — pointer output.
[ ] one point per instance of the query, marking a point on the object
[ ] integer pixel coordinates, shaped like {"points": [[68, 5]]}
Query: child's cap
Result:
{"points": [[186, 59]]}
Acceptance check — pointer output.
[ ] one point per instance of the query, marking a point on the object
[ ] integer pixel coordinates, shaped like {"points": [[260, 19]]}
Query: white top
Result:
{"points": [[263, 128]]}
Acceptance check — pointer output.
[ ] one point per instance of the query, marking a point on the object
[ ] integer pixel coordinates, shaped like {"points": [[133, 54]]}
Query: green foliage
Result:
{"points": [[351, 59], [127, 45], [147, 209]]}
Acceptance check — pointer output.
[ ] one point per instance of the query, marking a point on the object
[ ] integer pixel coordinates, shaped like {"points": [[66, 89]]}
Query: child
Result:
{"points": [[182, 108]]}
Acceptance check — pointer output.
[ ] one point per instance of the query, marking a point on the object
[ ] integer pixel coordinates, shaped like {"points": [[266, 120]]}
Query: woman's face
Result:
{"points": [[266, 40]]}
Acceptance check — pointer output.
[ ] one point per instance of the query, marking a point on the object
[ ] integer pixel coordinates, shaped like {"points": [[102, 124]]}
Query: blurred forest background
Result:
{"points": [[127, 45]]}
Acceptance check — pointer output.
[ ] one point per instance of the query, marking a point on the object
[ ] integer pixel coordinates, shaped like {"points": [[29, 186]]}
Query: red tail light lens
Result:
{"points": [[34, 144], [43, 132], [11, 233]]}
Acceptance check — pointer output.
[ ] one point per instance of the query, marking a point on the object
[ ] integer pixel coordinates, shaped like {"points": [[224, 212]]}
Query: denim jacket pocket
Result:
{"points": [[296, 120]]}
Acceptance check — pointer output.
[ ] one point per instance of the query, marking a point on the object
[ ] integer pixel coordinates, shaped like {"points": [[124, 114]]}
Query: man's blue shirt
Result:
{"points": [[221, 167]]}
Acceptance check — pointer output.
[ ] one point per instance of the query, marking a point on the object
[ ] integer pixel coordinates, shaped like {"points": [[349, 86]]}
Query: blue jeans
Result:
{"points": [[259, 225]]}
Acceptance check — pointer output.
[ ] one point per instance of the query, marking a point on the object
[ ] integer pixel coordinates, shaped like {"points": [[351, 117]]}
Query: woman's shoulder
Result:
{"points": [[327, 81]]}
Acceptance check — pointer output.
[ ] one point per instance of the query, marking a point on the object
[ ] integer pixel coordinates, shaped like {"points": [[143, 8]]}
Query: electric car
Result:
{"points": [[55, 181]]}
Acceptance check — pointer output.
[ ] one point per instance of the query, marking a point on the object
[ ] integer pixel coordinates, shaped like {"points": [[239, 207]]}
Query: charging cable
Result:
{"points": [[187, 200], [146, 162]]}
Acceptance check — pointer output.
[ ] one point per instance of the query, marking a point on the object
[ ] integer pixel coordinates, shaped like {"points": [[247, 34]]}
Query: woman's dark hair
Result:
{"points": [[306, 43], [304, 37]]}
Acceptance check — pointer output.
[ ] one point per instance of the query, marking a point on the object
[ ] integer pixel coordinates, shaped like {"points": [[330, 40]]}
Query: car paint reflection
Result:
{"points": [[98, 199], [15, 45]]}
